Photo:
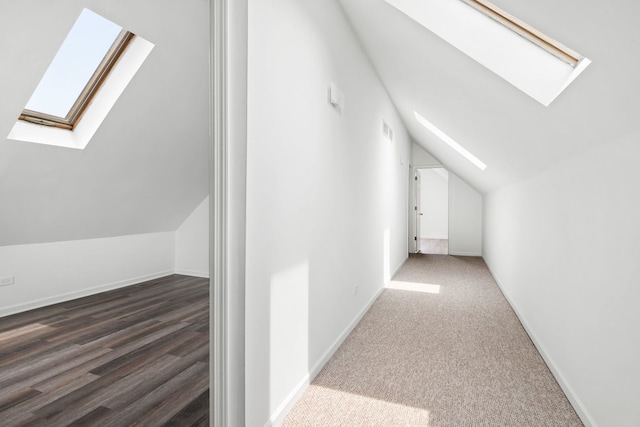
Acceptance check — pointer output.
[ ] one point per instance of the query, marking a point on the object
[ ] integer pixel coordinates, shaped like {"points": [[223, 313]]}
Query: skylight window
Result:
{"points": [[78, 70], [449, 141], [92, 68], [531, 61], [525, 30]]}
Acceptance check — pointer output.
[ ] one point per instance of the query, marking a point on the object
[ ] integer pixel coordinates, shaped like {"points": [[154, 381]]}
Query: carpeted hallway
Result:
{"points": [[451, 352]]}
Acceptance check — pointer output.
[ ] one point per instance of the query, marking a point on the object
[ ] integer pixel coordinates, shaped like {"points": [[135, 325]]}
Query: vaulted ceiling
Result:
{"points": [[146, 167], [512, 133]]}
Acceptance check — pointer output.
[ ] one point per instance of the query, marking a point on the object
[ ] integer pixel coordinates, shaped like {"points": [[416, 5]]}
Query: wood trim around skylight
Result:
{"points": [[84, 99], [547, 43]]}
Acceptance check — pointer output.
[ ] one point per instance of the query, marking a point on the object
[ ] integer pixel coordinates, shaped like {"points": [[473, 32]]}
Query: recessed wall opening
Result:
{"points": [[432, 211]]}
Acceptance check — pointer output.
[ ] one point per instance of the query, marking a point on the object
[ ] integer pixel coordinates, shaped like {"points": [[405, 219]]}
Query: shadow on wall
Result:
{"points": [[291, 357]]}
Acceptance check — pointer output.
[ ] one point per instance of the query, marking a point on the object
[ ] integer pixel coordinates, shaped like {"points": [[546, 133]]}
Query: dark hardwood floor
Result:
{"points": [[134, 356]]}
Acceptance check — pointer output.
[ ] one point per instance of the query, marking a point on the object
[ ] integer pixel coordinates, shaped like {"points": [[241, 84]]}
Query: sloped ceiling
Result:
{"points": [[145, 169], [506, 129]]}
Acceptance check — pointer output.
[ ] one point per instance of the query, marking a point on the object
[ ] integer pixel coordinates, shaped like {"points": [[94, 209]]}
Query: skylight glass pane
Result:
{"points": [[78, 58]]}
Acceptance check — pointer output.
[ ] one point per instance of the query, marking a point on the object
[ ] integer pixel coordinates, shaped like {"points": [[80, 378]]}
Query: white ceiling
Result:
{"points": [[146, 168], [506, 129]]}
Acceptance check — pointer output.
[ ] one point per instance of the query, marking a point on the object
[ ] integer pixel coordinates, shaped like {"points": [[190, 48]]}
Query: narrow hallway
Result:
{"points": [[448, 352]]}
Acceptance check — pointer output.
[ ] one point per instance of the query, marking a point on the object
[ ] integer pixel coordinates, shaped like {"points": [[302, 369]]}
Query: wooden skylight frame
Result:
{"points": [[525, 30], [93, 86]]}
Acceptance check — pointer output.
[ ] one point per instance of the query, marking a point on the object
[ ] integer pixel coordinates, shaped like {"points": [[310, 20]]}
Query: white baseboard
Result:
{"points": [[394, 272], [19, 308], [576, 402], [457, 253], [194, 273], [278, 416]]}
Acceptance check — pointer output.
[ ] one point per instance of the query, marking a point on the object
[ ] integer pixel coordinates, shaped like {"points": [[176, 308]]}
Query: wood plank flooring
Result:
{"points": [[136, 356]]}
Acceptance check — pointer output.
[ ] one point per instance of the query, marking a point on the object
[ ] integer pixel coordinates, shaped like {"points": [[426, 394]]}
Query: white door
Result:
{"points": [[433, 211], [417, 211]]}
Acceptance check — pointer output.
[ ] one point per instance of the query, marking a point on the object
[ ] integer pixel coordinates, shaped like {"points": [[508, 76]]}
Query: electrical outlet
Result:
{"points": [[6, 281], [355, 290]]}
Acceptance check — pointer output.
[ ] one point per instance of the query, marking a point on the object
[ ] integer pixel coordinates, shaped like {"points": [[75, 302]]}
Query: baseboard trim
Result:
{"points": [[394, 272], [278, 416], [456, 253], [194, 273], [19, 308], [575, 401]]}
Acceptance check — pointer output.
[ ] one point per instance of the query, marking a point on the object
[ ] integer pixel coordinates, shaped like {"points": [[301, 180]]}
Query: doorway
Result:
{"points": [[432, 211]]}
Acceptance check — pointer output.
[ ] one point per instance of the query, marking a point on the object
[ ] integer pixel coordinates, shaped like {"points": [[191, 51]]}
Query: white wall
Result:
{"points": [[564, 247], [420, 158], [326, 196], [192, 243], [465, 218], [47, 273], [434, 203], [133, 177]]}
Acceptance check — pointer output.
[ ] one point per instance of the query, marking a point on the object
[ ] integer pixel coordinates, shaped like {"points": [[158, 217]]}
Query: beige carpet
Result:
{"points": [[449, 353]]}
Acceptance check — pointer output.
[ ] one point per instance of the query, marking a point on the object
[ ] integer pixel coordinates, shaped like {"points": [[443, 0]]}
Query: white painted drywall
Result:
{"points": [[420, 158], [146, 167], [192, 243], [326, 196], [465, 218], [564, 247], [434, 203], [47, 273]]}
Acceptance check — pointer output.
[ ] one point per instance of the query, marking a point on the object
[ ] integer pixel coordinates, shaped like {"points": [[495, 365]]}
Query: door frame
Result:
{"points": [[416, 210], [227, 210], [414, 204], [218, 286]]}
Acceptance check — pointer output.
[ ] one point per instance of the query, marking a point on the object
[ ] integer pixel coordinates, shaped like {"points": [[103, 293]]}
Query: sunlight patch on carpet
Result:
{"points": [[427, 288], [340, 408]]}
